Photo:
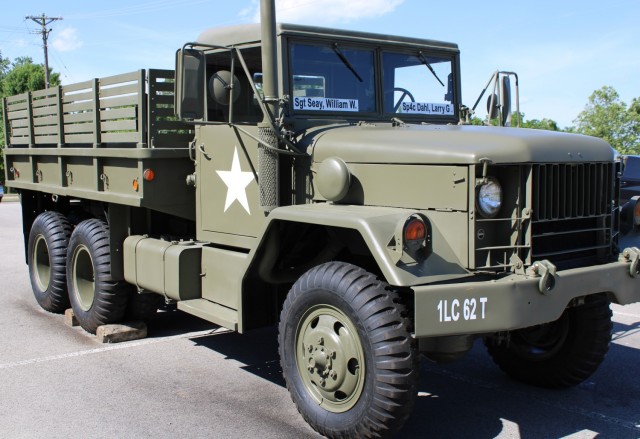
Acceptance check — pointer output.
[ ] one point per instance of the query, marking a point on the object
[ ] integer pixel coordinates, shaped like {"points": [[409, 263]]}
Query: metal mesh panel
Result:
{"points": [[268, 169]]}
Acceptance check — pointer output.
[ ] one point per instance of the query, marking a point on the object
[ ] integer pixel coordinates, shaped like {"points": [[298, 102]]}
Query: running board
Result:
{"points": [[213, 312]]}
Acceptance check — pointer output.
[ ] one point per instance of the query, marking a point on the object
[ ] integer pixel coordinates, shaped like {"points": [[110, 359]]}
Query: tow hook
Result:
{"points": [[632, 254], [547, 272]]}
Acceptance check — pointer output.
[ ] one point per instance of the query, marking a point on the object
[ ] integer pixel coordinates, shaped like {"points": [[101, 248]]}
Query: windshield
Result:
{"points": [[332, 78], [416, 83]]}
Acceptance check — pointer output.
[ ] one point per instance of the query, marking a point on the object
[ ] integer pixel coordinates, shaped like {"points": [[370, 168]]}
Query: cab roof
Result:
{"points": [[250, 34]]}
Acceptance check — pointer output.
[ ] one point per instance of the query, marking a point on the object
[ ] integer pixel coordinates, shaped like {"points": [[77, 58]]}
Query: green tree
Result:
{"points": [[607, 117], [24, 76], [538, 124]]}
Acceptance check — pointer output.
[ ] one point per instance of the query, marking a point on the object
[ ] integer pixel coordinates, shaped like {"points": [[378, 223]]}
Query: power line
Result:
{"points": [[44, 21]]}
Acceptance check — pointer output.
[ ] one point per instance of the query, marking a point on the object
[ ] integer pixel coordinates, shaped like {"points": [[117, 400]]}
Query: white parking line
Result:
{"points": [[112, 347], [635, 316]]}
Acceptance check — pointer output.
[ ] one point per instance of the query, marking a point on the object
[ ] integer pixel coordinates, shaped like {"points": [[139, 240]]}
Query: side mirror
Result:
{"points": [[505, 97], [493, 106], [189, 98]]}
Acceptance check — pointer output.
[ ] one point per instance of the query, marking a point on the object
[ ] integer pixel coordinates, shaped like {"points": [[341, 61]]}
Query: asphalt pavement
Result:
{"points": [[191, 379]]}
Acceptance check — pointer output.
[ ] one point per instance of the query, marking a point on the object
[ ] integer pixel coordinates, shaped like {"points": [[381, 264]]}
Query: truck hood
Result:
{"points": [[437, 144]]}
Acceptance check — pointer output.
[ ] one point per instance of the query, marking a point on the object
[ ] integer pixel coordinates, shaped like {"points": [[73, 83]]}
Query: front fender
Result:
{"points": [[378, 227]]}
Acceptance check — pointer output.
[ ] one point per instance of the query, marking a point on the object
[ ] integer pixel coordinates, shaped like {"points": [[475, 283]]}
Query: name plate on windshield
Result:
{"points": [[426, 108], [324, 104]]}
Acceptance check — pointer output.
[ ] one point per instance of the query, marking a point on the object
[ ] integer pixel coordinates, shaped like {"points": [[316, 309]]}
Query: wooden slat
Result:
{"points": [[46, 130], [77, 86], [17, 106], [22, 114], [47, 120], [83, 106], [163, 87], [118, 113], [45, 102], [81, 96], [119, 125], [120, 137], [86, 116], [20, 132], [166, 100], [46, 140], [45, 111], [119, 102], [17, 98], [19, 140], [163, 112], [124, 77], [74, 128], [78, 138], [120, 90], [38, 94], [19, 123]]}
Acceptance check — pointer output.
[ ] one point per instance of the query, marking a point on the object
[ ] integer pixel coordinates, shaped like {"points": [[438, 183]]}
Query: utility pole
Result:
{"points": [[44, 21]]}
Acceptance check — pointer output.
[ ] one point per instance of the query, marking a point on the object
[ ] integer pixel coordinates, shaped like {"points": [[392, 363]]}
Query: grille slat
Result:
{"points": [[571, 191], [571, 210]]}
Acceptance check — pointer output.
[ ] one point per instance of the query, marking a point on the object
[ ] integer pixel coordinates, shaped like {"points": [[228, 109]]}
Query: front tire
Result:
{"points": [[47, 259], [96, 298], [558, 354], [347, 357]]}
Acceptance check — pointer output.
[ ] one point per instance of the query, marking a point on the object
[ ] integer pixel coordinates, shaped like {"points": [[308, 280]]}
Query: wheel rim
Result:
{"points": [[83, 277], [330, 358], [41, 263]]}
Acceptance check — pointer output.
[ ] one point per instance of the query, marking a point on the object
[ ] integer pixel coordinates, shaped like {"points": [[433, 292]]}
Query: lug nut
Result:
{"points": [[320, 340]]}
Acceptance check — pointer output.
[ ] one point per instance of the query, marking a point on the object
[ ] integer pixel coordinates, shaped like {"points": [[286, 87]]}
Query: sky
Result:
{"points": [[562, 50]]}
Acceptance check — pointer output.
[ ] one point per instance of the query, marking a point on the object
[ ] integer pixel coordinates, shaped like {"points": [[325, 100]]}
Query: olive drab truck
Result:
{"points": [[324, 181]]}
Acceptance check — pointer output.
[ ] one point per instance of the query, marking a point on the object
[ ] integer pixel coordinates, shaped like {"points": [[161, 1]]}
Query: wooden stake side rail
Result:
{"points": [[94, 139], [131, 110]]}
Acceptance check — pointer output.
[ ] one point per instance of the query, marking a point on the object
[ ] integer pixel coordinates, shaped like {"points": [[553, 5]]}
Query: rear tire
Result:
{"points": [[96, 298], [348, 359], [47, 259], [558, 354]]}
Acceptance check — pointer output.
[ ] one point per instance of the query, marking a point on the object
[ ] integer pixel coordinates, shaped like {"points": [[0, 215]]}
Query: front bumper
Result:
{"points": [[515, 301]]}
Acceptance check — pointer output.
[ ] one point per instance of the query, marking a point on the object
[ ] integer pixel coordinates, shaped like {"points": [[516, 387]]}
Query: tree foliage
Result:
{"points": [[24, 76], [607, 117]]}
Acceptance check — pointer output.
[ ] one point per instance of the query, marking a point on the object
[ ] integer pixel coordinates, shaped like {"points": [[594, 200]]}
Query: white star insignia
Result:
{"points": [[236, 180]]}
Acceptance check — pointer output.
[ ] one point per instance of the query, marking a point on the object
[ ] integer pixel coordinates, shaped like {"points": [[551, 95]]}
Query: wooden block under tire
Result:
{"points": [[117, 333], [70, 318]]}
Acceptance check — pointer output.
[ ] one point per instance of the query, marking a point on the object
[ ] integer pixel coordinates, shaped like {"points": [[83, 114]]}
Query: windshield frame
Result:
{"points": [[378, 48]]}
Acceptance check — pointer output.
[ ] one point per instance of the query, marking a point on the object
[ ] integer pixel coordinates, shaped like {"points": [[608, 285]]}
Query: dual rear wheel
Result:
{"points": [[72, 267]]}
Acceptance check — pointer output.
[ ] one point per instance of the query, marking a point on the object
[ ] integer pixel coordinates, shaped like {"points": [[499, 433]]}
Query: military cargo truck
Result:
{"points": [[325, 181]]}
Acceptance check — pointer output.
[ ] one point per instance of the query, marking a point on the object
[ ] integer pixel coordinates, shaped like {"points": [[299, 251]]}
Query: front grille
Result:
{"points": [[560, 212], [572, 212]]}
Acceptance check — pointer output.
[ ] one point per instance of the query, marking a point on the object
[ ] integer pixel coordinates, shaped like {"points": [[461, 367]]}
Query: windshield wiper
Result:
{"points": [[424, 61], [345, 61]]}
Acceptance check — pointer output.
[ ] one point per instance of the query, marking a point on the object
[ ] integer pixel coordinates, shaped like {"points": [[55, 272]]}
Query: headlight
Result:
{"points": [[489, 198]]}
